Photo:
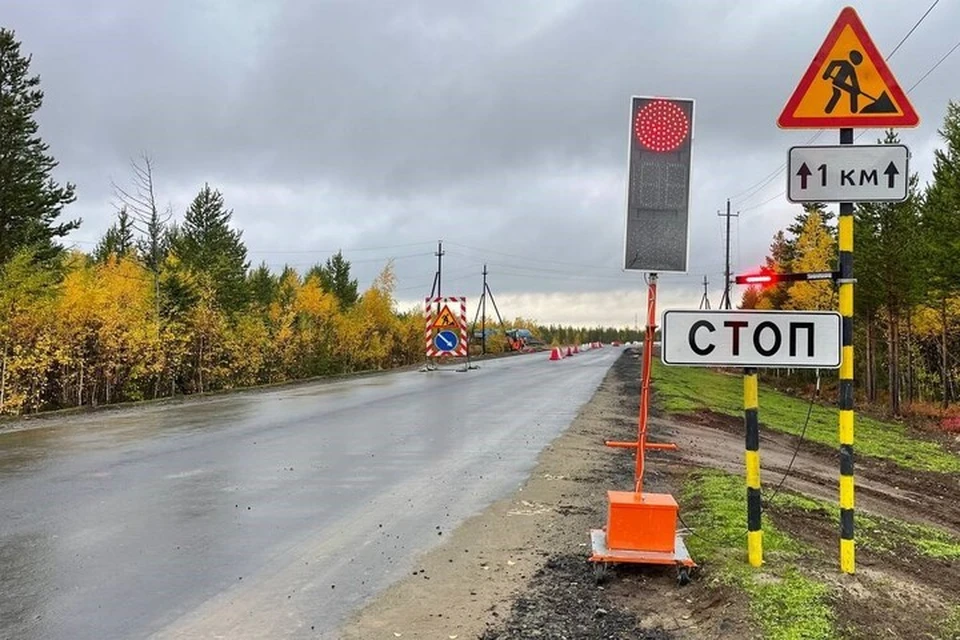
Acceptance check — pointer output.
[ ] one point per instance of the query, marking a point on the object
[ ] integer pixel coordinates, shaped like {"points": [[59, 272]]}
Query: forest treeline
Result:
{"points": [[907, 269], [165, 305]]}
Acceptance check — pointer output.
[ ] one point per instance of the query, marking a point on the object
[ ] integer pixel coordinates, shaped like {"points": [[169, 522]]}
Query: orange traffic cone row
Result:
{"points": [[555, 354]]}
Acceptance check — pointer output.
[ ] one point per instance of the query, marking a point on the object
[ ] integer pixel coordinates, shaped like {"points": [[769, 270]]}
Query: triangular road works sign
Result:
{"points": [[848, 84], [446, 319]]}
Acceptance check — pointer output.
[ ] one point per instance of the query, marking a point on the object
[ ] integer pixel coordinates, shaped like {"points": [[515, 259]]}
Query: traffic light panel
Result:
{"points": [[658, 193]]}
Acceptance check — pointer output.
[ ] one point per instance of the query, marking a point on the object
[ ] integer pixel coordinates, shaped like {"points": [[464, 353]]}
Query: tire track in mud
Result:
{"points": [[714, 440]]}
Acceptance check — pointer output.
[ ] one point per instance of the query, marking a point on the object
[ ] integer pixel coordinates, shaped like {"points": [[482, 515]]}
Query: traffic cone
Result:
{"points": [[555, 354], [569, 352], [576, 349]]}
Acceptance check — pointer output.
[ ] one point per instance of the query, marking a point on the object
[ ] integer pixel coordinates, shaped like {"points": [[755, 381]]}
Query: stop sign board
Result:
{"points": [[782, 339]]}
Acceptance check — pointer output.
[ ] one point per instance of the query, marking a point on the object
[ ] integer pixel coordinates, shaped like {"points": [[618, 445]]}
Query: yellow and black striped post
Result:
{"points": [[845, 404], [752, 424]]}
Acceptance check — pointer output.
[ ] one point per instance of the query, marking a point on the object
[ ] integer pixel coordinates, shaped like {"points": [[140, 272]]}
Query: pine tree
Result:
{"points": [[118, 239], [207, 246], [335, 278], [941, 228], [30, 200], [263, 286], [888, 253], [779, 261]]}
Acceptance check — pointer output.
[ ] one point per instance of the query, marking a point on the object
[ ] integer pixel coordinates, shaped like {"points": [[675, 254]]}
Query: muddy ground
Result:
{"points": [[519, 570]]}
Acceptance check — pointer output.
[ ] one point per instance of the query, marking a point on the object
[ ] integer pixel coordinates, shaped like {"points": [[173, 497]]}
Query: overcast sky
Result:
{"points": [[498, 126]]}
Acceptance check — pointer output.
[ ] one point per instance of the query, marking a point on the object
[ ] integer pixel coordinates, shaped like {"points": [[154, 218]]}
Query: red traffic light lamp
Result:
{"points": [[767, 277]]}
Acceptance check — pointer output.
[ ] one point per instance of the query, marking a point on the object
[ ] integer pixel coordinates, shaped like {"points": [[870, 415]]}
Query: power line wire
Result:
{"points": [[912, 29], [342, 250], [529, 259], [757, 188], [757, 206], [934, 67]]}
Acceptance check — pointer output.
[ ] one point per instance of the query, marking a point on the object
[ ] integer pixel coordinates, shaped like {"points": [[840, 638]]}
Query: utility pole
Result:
{"points": [[725, 301], [705, 301], [483, 314], [440, 253]]}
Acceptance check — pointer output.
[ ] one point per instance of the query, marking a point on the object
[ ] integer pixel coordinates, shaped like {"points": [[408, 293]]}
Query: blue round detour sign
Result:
{"points": [[446, 341]]}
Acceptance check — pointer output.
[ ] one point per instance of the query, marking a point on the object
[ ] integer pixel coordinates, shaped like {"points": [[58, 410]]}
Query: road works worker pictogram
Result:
{"points": [[843, 75]]}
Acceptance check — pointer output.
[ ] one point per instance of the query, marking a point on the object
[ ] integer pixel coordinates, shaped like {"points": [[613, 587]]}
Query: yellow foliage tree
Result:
{"points": [[367, 333], [815, 251]]}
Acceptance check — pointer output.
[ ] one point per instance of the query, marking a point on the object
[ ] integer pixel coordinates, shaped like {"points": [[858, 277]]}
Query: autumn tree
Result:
{"points": [[31, 201], [814, 250], [27, 291], [751, 298], [801, 219], [207, 246]]}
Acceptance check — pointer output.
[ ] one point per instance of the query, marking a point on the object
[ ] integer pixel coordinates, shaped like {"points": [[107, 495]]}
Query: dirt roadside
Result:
{"points": [[518, 570]]}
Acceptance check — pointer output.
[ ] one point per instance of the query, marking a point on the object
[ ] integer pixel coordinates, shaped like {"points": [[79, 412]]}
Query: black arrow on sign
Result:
{"points": [[891, 174], [804, 173]]}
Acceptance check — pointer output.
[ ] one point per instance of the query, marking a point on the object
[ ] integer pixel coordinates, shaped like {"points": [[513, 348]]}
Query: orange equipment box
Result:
{"points": [[641, 521]]}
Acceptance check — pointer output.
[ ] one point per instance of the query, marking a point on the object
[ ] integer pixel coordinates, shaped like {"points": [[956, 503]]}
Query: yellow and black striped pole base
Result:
{"points": [[752, 424]]}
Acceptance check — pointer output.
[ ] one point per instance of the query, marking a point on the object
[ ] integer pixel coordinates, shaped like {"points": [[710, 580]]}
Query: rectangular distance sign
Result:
{"points": [[784, 339], [848, 173]]}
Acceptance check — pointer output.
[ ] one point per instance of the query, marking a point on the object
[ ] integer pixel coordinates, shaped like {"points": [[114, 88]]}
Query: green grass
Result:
{"points": [[880, 534], [950, 628], [785, 603], [689, 389]]}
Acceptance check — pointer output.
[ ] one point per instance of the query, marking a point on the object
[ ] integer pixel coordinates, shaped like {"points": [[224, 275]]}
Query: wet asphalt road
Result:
{"points": [[262, 515]]}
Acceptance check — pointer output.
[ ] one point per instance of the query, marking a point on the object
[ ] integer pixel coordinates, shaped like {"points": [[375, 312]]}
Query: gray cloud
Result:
{"points": [[498, 125]]}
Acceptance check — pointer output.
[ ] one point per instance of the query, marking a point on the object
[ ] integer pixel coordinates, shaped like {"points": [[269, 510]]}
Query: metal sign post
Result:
{"points": [[751, 423], [845, 233]]}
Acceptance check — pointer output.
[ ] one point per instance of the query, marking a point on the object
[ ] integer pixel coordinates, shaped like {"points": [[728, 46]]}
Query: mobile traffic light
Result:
{"points": [[658, 193]]}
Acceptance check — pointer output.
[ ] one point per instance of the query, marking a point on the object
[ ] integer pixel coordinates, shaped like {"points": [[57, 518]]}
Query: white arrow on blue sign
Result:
{"points": [[848, 173]]}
